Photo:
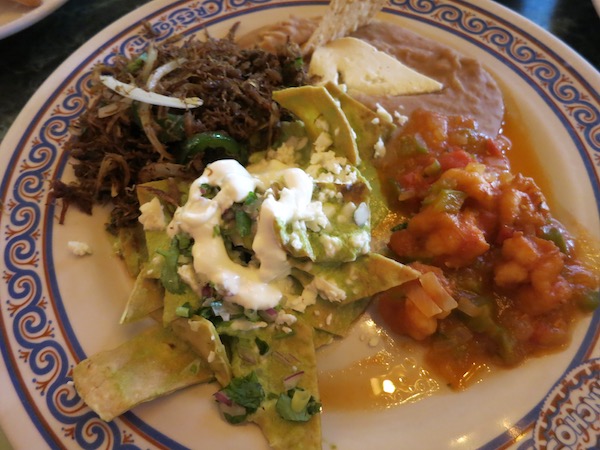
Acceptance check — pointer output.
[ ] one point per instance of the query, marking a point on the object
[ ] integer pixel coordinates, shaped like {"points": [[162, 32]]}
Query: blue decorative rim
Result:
{"points": [[50, 348]]}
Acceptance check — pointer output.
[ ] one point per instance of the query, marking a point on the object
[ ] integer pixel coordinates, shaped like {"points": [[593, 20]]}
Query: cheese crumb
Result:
{"points": [[79, 248], [152, 216]]}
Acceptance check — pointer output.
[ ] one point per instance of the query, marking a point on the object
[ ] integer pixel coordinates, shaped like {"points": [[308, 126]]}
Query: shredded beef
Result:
{"points": [[111, 149]]}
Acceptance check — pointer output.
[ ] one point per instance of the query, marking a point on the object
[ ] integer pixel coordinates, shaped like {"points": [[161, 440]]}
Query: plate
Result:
{"points": [[57, 308], [15, 17]]}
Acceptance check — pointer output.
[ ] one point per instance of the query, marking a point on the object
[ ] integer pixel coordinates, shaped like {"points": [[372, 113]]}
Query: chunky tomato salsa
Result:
{"points": [[487, 237]]}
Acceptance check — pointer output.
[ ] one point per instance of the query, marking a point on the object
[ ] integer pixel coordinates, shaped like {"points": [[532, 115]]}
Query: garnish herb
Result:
{"points": [[297, 405], [246, 392]]}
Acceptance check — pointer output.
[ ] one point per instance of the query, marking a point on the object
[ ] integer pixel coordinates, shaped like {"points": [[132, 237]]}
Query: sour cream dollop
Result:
{"points": [[249, 286]]}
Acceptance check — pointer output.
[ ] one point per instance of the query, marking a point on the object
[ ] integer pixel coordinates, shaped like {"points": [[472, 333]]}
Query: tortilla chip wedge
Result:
{"points": [[342, 18], [152, 364]]}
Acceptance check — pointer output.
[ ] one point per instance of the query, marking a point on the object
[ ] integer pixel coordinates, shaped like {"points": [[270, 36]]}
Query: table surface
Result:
{"points": [[30, 56]]}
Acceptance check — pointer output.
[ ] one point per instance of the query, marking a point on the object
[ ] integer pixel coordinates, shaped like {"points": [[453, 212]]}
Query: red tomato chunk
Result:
{"points": [[489, 236]]}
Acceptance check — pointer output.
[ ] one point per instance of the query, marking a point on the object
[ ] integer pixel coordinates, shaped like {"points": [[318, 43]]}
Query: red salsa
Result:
{"points": [[486, 237]]}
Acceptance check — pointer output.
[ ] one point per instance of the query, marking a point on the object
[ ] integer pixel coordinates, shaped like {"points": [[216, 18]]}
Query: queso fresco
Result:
{"points": [[262, 210]]}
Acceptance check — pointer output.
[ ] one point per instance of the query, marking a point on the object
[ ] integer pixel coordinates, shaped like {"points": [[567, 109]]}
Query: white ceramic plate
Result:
{"points": [[55, 308], [15, 17]]}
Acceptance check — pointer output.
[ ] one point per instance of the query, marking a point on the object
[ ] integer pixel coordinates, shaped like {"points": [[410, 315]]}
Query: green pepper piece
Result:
{"points": [[446, 200], [213, 145], [555, 234], [588, 300]]}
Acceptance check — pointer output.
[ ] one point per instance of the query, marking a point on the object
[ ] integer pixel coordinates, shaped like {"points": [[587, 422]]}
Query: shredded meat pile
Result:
{"points": [[121, 143]]}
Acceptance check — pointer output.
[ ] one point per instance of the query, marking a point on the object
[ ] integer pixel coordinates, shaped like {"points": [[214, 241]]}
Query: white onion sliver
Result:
{"points": [[423, 301], [436, 291], [152, 98], [161, 71]]}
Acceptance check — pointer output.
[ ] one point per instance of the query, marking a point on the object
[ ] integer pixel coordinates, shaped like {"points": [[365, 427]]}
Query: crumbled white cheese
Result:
{"points": [[188, 275], [328, 289], [152, 216], [285, 153], [323, 142], [362, 215], [247, 325], [284, 318], [400, 118], [379, 149], [326, 167], [362, 242], [383, 114], [301, 302], [331, 244], [79, 248]]}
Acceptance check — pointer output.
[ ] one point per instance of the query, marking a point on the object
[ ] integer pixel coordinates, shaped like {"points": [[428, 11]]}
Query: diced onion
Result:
{"points": [[268, 315], [468, 307], [424, 303], [436, 291], [135, 93], [221, 397], [291, 381]]}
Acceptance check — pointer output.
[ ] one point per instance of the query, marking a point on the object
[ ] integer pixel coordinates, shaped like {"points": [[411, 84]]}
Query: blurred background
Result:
{"points": [[28, 57]]}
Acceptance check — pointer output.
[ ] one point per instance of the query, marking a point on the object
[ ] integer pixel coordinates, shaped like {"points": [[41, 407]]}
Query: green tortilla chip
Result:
{"points": [[145, 297], [206, 342], [310, 103], [152, 364], [365, 277], [334, 318], [287, 354]]}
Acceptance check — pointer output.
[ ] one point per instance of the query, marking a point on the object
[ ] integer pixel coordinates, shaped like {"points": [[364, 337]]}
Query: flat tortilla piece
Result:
{"points": [[310, 103], [332, 318], [202, 336], [145, 297], [322, 338], [342, 18], [152, 364], [370, 130], [365, 277], [288, 353]]}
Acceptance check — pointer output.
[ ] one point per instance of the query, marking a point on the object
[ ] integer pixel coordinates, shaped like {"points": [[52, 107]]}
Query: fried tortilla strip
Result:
{"points": [[202, 336], [349, 282], [145, 297], [342, 18], [335, 319], [288, 353], [310, 103], [152, 364]]}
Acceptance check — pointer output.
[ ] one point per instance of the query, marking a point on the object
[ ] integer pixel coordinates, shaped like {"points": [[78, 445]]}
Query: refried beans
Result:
{"points": [[469, 90]]}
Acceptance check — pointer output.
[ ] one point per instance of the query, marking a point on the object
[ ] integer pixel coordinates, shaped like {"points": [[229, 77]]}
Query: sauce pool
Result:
{"points": [[396, 374]]}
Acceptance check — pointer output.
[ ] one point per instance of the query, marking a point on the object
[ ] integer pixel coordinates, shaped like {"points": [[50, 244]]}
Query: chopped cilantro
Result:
{"points": [[263, 346], [184, 310], [168, 276], [297, 405], [252, 197], [243, 223], [246, 392]]}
